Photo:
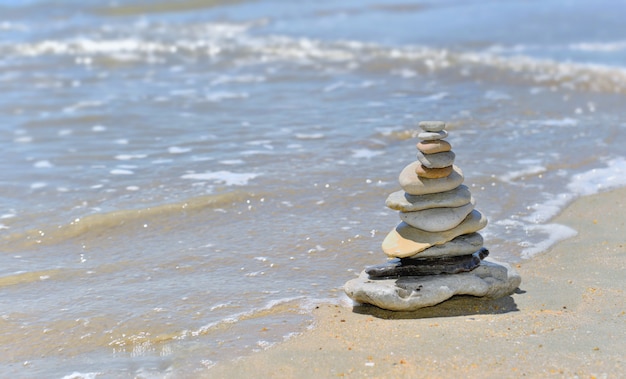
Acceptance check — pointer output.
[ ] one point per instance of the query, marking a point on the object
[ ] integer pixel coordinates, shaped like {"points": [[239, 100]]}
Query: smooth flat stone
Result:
{"points": [[437, 219], [437, 160], [432, 136], [433, 173], [404, 202], [432, 147], [414, 185], [405, 241], [461, 245], [432, 126], [489, 280], [421, 267]]}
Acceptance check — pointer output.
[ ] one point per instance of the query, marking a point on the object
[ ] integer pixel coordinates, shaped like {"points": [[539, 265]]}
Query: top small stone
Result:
{"points": [[432, 126]]}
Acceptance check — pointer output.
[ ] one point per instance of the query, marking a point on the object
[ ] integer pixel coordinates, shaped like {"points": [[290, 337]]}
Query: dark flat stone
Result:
{"points": [[427, 266]]}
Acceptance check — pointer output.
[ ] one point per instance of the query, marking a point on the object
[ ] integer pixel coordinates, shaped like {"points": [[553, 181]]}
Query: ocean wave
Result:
{"points": [[604, 47], [49, 235], [583, 184], [26, 277], [237, 43], [273, 306]]}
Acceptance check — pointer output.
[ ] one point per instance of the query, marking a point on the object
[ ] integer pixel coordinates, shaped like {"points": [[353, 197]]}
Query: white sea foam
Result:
{"points": [[23, 139], [126, 157], [583, 184], [225, 79], [120, 171], [247, 153], [178, 150], [43, 164], [265, 344], [600, 179], [604, 47], [555, 232], [266, 49], [567, 121], [527, 171], [217, 97], [366, 153], [228, 304], [434, 97], [82, 375], [231, 162], [496, 95], [7, 25], [233, 319], [305, 136], [82, 104], [226, 177]]}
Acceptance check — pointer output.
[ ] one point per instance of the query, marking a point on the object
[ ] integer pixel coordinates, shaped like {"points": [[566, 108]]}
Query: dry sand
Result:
{"points": [[567, 319]]}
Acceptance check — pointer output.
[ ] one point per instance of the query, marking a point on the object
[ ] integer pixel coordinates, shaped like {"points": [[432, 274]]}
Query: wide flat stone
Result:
{"points": [[404, 202], [405, 241], [414, 185], [437, 219], [432, 126], [461, 245], [432, 147], [490, 279], [437, 160], [432, 136]]}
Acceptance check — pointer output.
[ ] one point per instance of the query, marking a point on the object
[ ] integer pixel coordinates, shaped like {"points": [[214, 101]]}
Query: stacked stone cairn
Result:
{"points": [[436, 251]]}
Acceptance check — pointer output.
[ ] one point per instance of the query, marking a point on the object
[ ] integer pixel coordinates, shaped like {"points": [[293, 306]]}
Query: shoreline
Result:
{"points": [[566, 320]]}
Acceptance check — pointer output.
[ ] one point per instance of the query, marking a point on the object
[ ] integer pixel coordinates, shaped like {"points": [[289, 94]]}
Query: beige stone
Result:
{"points": [[433, 147], [405, 240], [414, 185], [433, 173]]}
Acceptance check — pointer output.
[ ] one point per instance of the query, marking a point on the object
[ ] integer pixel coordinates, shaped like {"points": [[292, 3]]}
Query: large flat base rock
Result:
{"points": [[491, 280]]}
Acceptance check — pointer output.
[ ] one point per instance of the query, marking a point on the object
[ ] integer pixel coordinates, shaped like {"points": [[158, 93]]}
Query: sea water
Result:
{"points": [[183, 180]]}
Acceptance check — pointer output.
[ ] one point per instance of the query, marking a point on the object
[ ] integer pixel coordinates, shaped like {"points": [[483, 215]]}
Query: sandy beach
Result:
{"points": [[567, 319]]}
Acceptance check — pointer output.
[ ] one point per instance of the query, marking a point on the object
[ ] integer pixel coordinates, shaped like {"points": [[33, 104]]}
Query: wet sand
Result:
{"points": [[567, 319]]}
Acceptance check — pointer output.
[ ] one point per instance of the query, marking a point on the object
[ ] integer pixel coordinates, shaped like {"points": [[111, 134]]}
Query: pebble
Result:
{"points": [[414, 185], [437, 160], [432, 126], [461, 245], [432, 136], [402, 201], [433, 173], [405, 241], [437, 219], [432, 147]]}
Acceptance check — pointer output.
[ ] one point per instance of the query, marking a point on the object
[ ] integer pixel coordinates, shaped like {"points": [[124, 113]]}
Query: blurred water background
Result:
{"points": [[183, 180]]}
